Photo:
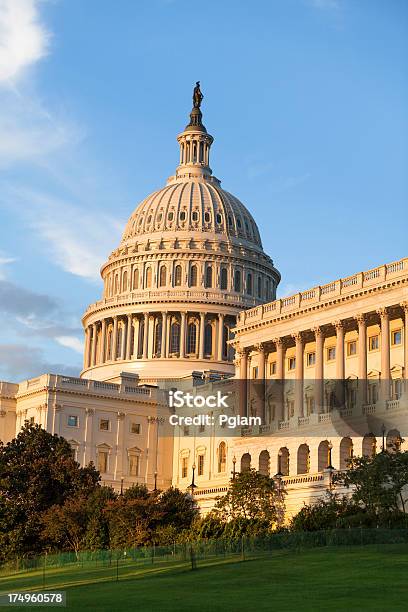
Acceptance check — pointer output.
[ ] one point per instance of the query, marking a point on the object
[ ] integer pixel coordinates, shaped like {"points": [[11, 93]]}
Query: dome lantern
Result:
{"points": [[195, 143]]}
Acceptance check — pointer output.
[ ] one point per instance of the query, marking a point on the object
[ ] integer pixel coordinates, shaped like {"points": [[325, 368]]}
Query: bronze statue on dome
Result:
{"points": [[197, 95]]}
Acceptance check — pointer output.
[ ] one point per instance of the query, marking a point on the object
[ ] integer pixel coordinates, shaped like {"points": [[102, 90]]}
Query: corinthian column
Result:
{"points": [[340, 365], [93, 351], [385, 353], [243, 375], [362, 357], [299, 374], [103, 341], [115, 338], [280, 375], [128, 336], [163, 352], [220, 336], [319, 369], [405, 321], [146, 335], [183, 334], [201, 338], [87, 346]]}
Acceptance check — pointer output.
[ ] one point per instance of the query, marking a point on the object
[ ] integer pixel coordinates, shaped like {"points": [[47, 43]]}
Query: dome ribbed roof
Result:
{"points": [[193, 205]]}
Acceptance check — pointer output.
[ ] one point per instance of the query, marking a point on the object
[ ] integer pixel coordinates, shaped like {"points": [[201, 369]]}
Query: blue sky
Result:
{"points": [[307, 101]]}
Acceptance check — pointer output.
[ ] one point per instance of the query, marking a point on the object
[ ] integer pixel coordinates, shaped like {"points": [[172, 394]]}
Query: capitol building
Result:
{"points": [[189, 302]]}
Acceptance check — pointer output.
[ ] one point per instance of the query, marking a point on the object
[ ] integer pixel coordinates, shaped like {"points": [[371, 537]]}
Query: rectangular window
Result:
{"points": [[133, 465], [72, 421], [135, 428], [104, 425], [200, 466], [291, 363], [255, 372], [184, 467], [311, 359], [396, 337], [103, 461], [272, 367], [373, 343], [352, 348], [331, 353]]}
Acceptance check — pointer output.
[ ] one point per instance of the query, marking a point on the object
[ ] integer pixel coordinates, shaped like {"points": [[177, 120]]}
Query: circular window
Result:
{"points": [[219, 218], [207, 217], [194, 216], [182, 216], [170, 216]]}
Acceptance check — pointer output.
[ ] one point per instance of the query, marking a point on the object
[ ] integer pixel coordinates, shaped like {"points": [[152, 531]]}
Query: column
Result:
{"points": [[220, 337], [319, 369], [280, 375], [103, 341], [128, 337], [115, 337], [146, 335], [385, 353], [122, 347], [299, 374], [135, 348], [93, 351], [87, 344], [201, 339], [405, 332], [362, 358], [183, 334], [262, 377], [163, 352], [340, 364], [243, 375], [118, 472], [88, 437]]}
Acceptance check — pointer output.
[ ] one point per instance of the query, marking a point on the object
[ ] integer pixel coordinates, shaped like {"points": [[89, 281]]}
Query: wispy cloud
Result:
{"points": [[4, 261], [71, 342], [24, 38], [76, 240]]}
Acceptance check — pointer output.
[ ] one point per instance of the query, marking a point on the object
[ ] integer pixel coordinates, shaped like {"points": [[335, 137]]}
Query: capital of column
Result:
{"points": [[318, 331], [361, 319], [279, 342], [404, 306], [90, 411], [339, 325], [384, 313], [120, 416], [298, 337], [260, 347]]}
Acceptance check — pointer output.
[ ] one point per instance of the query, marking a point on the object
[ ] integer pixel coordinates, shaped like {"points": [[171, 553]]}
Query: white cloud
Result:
{"points": [[76, 240], [4, 261], [23, 38], [71, 342]]}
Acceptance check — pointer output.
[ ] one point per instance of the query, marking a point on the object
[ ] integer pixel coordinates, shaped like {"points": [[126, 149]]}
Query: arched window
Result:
{"points": [[163, 276], [177, 276], [259, 286], [303, 459], [284, 461], [193, 276], [135, 278], [245, 462], [175, 337], [192, 338], [157, 338], [209, 277], [140, 340], [323, 456], [208, 330], [124, 282], [222, 457], [224, 278], [346, 453], [249, 284], [148, 277], [264, 463], [369, 447], [237, 281]]}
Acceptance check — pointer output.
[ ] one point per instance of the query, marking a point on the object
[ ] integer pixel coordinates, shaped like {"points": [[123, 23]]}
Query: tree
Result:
{"points": [[377, 482], [37, 471], [177, 508], [65, 527], [252, 496], [331, 512]]}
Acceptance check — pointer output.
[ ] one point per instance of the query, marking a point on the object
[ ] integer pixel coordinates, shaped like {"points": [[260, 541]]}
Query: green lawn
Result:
{"points": [[372, 578]]}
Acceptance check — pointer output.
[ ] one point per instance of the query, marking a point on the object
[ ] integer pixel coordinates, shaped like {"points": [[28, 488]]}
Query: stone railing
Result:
{"points": [[322, 293], [169, 295]]}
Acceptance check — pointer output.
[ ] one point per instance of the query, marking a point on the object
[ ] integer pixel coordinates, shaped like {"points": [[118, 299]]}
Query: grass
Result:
{"points": [[371, 578]]}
